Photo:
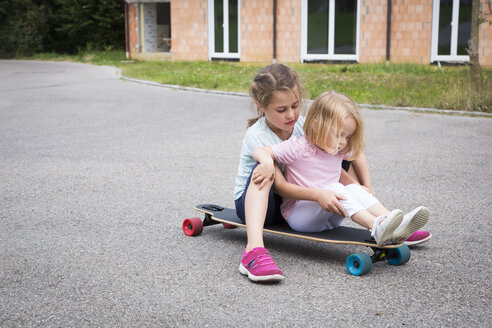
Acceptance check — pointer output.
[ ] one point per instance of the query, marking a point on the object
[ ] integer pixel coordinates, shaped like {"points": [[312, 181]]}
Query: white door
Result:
{"points": [[451, 30], [329, 30], [223, 29]]}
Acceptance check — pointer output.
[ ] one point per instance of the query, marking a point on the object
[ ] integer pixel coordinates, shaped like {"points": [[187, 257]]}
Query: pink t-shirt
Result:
{"points": [[307, 166]]}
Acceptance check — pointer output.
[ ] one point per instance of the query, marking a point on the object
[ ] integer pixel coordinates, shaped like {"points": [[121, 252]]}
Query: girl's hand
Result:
{"points": [[263, 174], [328, 200]]}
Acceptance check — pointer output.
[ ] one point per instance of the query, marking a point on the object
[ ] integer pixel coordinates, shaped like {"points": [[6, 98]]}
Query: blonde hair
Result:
{"points": [[271, 78], [325, 121]]}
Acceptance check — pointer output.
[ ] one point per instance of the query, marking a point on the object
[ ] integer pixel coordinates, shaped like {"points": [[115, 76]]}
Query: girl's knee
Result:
{"points": [[338, 188], [355, 187], [255, 188]]}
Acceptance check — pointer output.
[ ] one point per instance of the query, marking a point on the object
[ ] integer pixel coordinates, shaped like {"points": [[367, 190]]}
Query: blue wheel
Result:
{"points": [[359, 264], [398, 256]]}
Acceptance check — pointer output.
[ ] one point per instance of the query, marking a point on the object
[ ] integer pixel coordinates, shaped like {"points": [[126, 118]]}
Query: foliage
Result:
{"points": [[23, 23], [88, 24], [62, 26]]}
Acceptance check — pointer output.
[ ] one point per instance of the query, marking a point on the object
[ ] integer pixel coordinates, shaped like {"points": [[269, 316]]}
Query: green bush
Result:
{"points": [[62, 26], [87, 25], [23, 24]]}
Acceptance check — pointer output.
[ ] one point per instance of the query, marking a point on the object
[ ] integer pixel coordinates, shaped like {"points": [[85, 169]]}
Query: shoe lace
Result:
{"points": [[376, 231]]}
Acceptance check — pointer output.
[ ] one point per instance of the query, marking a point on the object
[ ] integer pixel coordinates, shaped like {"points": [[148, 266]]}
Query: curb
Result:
{"points": [[366, 106], [190, 89], [428, 110]]}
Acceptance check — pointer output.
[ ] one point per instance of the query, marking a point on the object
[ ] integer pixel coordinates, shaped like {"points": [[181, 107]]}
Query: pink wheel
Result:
{"points": [[228, 226], [193, 226]]}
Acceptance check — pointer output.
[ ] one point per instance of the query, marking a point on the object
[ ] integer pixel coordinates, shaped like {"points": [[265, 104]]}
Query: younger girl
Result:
{"points": [[333, 132]]}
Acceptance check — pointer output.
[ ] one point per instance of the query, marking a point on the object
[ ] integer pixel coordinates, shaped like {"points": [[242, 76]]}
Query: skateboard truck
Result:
{"points": [[379, 255], [207, 221], [208, 217]]}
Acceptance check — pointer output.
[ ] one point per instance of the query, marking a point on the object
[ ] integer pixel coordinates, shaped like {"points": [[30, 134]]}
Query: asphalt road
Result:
{"points": [[97, 175]]}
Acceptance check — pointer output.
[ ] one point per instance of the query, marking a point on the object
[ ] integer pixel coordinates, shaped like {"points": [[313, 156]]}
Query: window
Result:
{"points": [[330, 30], [154, 27], [223, 29], [451, 30]]}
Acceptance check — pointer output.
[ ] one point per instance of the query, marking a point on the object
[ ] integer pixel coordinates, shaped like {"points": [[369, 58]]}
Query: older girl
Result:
{"points": [[277, 94]]}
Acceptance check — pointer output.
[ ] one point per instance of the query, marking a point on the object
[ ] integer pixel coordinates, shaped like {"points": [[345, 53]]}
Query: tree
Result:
{"points": [[475, 69], [88, 24], [64, 26], [23, 24]]}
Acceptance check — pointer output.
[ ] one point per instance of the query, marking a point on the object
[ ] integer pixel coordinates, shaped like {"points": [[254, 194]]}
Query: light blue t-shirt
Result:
{"points": [[258, 135]]}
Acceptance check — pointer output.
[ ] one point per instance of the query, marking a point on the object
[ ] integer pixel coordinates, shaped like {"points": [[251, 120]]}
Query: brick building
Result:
{"points": [[417, 31]]}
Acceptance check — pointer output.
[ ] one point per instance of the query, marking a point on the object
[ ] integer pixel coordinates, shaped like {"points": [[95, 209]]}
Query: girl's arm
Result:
{"points": [[362, 170], [328, 200], [265, 171]]}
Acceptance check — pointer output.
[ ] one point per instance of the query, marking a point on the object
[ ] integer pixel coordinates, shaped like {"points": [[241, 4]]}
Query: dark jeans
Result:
{"points": [[273, 215]]}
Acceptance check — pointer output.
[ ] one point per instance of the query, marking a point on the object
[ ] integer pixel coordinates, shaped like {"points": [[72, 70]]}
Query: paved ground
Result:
{"points": [[97, 175]]}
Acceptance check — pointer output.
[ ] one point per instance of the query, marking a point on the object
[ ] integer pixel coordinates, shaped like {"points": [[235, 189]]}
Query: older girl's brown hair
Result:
{"points": [[271, 78], [325, 119]]}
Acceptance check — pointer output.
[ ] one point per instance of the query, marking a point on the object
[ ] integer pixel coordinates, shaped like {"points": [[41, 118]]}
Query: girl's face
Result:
{"points": [[339, 142], [282, 112]]}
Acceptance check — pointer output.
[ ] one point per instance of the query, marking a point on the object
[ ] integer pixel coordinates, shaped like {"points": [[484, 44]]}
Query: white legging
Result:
{"points": [[308, 216]]}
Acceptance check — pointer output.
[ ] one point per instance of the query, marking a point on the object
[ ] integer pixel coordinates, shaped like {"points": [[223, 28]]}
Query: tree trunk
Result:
{"points": [[475, 70]]}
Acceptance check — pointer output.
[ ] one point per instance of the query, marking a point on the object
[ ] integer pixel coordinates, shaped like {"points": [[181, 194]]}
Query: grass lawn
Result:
{"points": [[396, 85]]}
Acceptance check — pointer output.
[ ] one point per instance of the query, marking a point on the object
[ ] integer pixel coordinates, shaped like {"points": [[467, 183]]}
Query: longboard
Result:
{"points": [[357, 264]]}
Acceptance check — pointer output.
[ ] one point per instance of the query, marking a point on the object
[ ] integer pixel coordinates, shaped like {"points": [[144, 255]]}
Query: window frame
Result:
{"points": [[453, 57], [141, 30], [305, 56], [212, 54]]}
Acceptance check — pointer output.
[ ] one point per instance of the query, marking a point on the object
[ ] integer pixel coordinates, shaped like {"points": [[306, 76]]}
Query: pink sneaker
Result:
{"points": [[418, 237], [259, 266]]}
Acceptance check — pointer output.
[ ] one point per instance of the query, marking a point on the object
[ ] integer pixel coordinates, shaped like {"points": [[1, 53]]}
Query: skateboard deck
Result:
{"points": [[357, 264]]}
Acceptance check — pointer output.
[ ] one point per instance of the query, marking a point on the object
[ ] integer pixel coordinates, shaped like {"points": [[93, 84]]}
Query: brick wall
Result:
{"points": [[256, 30], [411, 31], [289, 30], [485, 35], [372, 32], [132, 28], [256, 26], [189, 29]]}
